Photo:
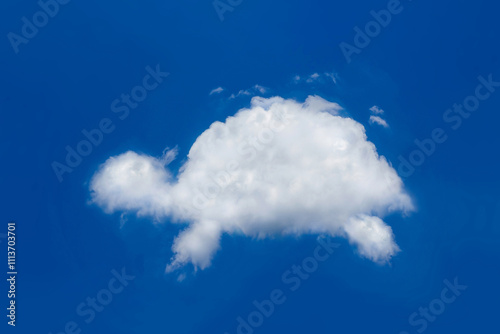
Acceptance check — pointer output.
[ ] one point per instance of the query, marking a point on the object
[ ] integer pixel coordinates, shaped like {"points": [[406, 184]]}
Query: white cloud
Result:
{"points": [[257, 89], [169, 155], [216, 90], [260, 89], [312, 77], [378, 120], [316, 77], [333, 76], [376, 110], [241, 92], [277, 168]]}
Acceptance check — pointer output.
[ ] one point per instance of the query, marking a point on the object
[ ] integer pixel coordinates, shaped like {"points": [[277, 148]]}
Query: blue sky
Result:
{"points": [[65, 77]]}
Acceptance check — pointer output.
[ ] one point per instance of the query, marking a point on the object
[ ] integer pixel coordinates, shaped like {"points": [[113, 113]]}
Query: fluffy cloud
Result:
{"points": [[279, 167]]}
